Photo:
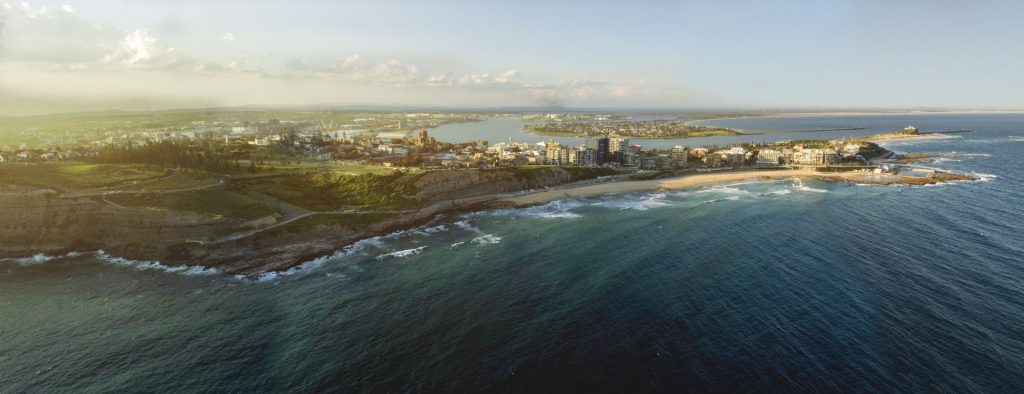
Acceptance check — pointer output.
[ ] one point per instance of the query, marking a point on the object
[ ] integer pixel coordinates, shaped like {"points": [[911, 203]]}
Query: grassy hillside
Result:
{"points": [[73, 177]]}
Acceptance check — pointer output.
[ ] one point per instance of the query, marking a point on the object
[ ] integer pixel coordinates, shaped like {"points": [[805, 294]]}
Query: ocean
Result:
{"points": [[752, 286]]}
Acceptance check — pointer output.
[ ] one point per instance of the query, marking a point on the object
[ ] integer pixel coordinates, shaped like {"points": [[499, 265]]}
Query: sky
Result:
{"points": [[70, 56]]}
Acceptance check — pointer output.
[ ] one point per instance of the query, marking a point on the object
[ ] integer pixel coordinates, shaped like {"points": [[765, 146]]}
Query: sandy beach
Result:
{"points": [[663, 184], [906, 137]]}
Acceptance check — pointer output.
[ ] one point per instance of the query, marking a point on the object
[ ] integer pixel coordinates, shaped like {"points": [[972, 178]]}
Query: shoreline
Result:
{"points": [[705, 179], [883, 138], [855, 113], [297, 259], [676, 183]]}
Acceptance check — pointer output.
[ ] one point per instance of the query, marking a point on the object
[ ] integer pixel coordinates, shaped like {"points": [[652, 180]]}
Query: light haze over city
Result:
{"points": [[64, 56]]}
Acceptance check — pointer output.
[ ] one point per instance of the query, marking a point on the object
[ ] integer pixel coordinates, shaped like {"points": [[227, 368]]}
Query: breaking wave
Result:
{"points": [[486, 239], [984, 177], [358, 247], [644, 203], [402, 253], [559, 209], [145, 265]]}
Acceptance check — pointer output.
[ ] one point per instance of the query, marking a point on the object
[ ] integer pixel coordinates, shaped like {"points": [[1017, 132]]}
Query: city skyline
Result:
{"points": [[61, 56]]}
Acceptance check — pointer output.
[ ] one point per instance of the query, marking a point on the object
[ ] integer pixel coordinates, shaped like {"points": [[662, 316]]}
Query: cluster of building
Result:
{"points": [[633, 128], [375, 141], [616, 151]]}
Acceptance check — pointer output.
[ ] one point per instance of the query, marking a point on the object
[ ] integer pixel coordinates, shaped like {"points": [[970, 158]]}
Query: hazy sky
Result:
{"points": [[109, 54]]}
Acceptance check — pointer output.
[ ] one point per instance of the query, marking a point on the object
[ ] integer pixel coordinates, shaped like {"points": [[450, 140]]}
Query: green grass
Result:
{"points": [[217, 202], [187, 179], [350, 220], [73, 177], [276, 169], [329, 191]]}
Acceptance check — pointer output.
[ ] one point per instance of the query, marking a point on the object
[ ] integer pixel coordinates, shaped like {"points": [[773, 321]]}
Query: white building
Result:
{"points": [[679, 155], [770, 157]]}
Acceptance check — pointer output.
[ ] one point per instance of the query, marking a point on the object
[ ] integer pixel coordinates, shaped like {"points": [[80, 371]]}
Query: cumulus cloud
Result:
{"points": [[505, 80], [53, 35], [138, 49], [63, 38], [567, 90], [48, 39]]}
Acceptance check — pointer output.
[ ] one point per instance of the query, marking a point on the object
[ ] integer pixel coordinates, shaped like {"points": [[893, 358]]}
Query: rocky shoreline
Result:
{"points": [[43, 222]]}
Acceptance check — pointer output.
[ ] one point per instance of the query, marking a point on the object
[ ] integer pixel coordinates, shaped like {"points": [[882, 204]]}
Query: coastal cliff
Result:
{"points": [[48, 222]]}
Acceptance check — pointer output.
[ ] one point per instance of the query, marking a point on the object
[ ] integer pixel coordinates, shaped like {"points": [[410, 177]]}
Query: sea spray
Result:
{"points": [[144, 265]]}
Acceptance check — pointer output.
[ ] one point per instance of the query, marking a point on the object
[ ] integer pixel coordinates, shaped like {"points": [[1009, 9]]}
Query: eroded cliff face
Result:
{"points": [[41, 221], [252, 256]]}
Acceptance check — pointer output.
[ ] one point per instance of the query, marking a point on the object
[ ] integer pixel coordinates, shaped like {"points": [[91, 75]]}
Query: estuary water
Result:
{"points": [[750, 286]]}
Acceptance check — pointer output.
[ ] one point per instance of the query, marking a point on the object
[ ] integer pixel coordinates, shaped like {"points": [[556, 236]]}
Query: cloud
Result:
{"points": [[3, 23], [63, 38], [53, 36], [355, 69], [239, 66], [506, 80], [138, 49], [62, 43], [566, 90]]}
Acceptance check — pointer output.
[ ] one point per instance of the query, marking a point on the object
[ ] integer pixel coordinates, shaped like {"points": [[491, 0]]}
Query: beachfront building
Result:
{"points": [[813, 157], [770, 157], [586, 157], [555, 153], [732, 157], [600, 147], [617, 148], [679, 156], [850, 151]]}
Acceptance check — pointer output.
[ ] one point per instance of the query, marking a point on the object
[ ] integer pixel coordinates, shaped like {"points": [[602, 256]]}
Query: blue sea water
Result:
{"points": [[751, 286]]}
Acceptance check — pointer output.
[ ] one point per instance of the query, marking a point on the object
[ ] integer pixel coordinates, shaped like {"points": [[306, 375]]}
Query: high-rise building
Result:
{"points": [[617, 148], [586, 157], [679, 154], [600, 146], [617, 144], [555, 153]]}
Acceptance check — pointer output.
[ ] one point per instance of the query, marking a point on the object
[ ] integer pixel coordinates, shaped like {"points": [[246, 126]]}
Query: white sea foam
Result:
{"points": [[730, 198], [486, 239], [39, 258], [427, 231], [984, 177], [724, 190], [34, 259], [781, 192], [402, 253], [360, 247], [464, 224], [144, 265], [560, 209], [643, 203], [811, 189]]}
